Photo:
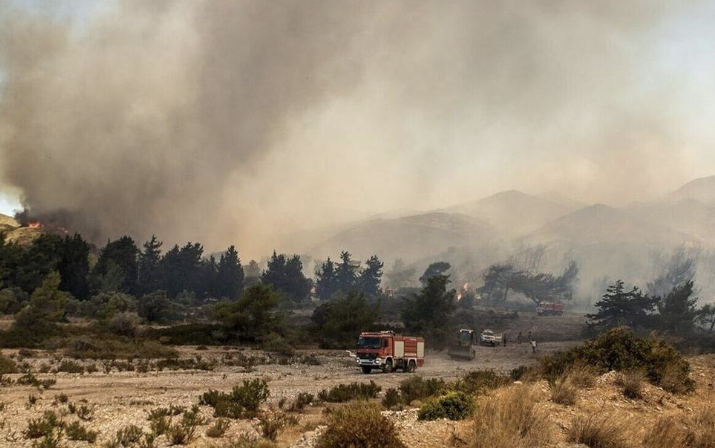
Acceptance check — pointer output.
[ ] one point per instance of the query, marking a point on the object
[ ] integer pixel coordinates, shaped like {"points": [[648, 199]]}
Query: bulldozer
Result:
{"points": [[463, 348]]}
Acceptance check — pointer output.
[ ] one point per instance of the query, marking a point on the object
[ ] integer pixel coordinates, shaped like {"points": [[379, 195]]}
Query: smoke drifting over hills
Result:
{"points": [[235, 122]]}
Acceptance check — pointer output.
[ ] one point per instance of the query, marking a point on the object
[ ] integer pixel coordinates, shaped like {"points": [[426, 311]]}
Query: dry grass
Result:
{"points": [[582, 376], [597, 431], [510, 419], [668, 432], [631, 383], [694, 431], [563, 391]]}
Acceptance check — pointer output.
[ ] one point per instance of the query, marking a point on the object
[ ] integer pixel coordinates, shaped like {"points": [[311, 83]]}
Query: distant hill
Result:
{"points": [[702, 190], [513, 213], [411, 237], [603, 224], [688, 216], [16, 234], [8, 221]]}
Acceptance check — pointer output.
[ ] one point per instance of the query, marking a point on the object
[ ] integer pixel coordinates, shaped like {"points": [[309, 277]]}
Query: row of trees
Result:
{"points": [[676, 312], [340, 278], [122, 266]]}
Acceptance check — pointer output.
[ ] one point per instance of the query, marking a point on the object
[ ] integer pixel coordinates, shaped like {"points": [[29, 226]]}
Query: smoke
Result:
{"points": [[235, 122]]}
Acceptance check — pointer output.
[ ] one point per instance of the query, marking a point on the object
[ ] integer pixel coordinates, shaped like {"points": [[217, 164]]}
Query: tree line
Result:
{"points": [[122, 266]]}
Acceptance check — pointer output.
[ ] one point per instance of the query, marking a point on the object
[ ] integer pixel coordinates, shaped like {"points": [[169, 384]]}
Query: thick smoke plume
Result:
{"points": [[236, 121]]}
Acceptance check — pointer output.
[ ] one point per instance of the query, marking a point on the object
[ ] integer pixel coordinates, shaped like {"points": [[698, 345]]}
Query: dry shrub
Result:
{"points": [[667, 432], [597, 431], [563, 391], [631, 384], [696, 431], [582, 376], [359, 424], [701, 431], [510, 420]]}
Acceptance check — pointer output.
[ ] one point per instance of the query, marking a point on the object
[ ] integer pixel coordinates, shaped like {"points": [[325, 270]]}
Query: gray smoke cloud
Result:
{"points": [[237, 121]]}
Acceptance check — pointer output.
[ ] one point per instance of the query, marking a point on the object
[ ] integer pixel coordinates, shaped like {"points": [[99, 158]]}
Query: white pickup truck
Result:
{"points": [[488, 338]]}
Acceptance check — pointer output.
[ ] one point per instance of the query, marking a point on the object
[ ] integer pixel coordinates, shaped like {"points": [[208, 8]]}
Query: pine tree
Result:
{"points": [[325, 280], [428, 313], [370, 277], [678, 310], [619, 307], [286, 276], [346, 273], [73, 266], [124, 254], [150, 274], [229, 275], [434, 270]]}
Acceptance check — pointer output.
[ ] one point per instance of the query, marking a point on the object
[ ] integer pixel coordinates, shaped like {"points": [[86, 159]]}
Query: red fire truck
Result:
{"points": [[384, 350], [550, 309]]}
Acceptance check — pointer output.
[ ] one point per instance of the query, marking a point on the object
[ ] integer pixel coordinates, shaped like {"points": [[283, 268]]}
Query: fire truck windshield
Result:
{"points": [[368, 342]]}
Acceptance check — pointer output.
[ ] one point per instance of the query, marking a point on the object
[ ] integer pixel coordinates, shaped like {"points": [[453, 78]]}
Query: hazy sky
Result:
{"points": [[243, 119]]}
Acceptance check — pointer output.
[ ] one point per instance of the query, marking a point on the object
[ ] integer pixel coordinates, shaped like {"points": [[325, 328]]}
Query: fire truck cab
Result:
{"points": [[386, 351]]}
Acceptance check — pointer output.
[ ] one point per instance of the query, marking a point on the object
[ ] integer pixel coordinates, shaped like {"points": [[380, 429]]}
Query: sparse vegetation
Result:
{"points": [[301, 401], [359, 424], [242, 402], [564, 391], [218, 428], [270, 424], [75, 431], [631, 383], [353, 391]]}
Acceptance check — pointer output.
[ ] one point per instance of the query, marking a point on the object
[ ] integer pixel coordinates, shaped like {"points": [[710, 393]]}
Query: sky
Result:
{"points": [[244, 120]]}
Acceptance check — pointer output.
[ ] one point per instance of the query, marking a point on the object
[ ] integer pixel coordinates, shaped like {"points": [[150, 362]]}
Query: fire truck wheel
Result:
{"points": [[411, 366], [387, 368], [366, 369]]}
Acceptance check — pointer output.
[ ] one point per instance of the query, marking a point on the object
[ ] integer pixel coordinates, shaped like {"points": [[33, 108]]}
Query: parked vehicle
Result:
{"points": [[463, 347], [386, 351], [550, 309], [488, 338]]}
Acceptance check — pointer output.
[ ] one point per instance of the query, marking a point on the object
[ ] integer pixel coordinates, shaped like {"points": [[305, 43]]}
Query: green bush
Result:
{"points": [[619, 349], [346, 392], [359, 424], [453, 405], [75, 431], [418, 388], [392, 398], [242, 402]]}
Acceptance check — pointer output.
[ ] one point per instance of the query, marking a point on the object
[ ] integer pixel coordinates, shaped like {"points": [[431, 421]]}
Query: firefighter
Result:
{"points": [[533, 346]]}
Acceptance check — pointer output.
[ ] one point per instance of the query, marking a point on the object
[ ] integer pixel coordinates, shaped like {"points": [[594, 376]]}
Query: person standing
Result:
{"points": [[503, 338], [533, 346]]}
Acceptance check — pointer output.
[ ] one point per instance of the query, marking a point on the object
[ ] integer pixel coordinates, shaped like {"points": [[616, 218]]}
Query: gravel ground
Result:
{"points": [[118, 399]]}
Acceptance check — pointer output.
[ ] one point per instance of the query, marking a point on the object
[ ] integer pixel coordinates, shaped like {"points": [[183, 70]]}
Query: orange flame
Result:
{"points": [[34, 224]]}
